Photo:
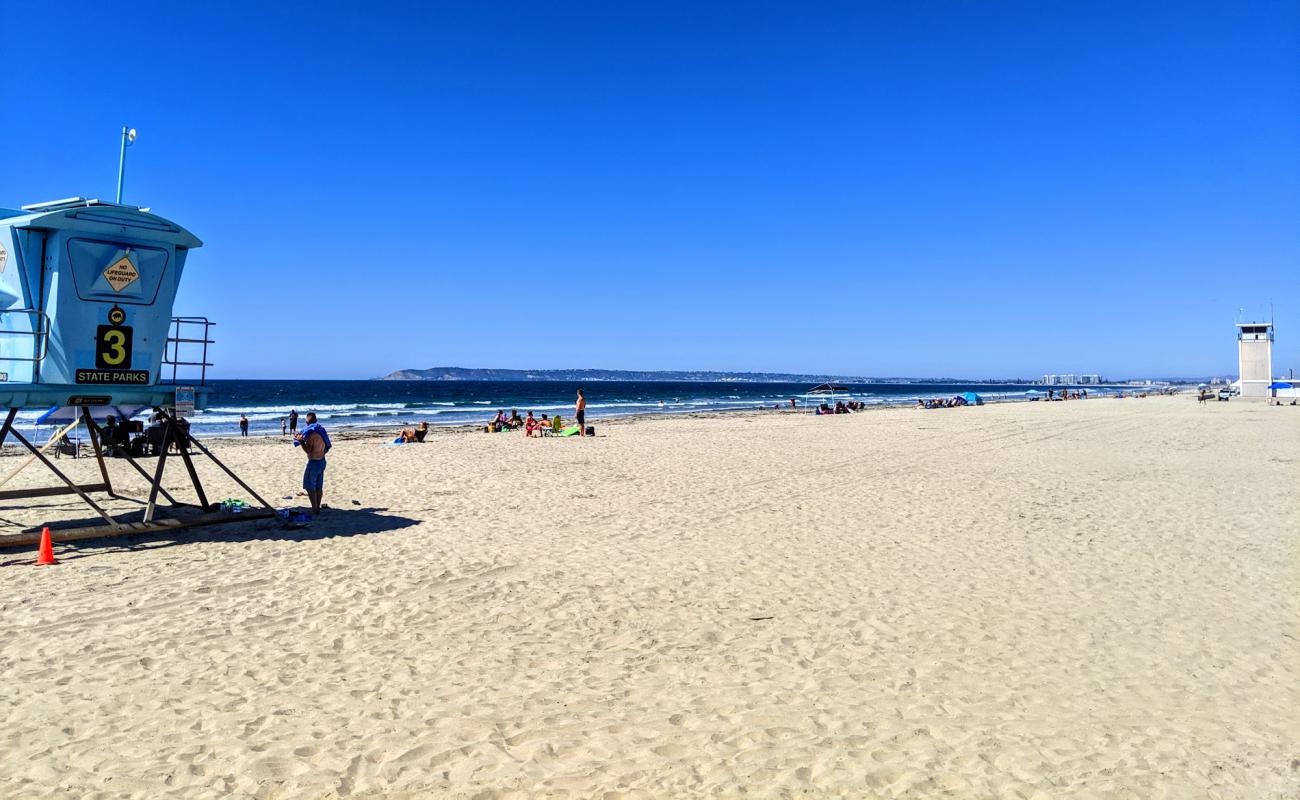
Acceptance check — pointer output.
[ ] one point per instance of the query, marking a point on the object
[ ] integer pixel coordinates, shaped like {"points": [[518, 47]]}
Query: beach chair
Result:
{"points": [[557, 425], [67, 447]]}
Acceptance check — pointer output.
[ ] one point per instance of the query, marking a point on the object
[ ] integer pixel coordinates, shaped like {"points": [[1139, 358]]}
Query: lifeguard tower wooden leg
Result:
{"points": [[156, 483], [93, 433], [183, 446], [188, 440], [175, 433], [9, 421], [98, 433], [70, 483], [232, 475]]}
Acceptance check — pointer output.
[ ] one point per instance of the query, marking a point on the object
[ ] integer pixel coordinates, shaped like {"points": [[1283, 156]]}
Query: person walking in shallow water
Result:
{"points": [[315, 442], [293, 421], [580, 411]]}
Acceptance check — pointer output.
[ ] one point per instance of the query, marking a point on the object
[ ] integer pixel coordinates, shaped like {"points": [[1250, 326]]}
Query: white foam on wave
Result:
{"points": [[302, 408]]}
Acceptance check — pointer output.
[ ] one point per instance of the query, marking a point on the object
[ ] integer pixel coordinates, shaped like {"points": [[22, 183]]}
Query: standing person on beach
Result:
{"points": [[284, 426], [293, 420], [315, 442], [580, 411], [243, 425]]}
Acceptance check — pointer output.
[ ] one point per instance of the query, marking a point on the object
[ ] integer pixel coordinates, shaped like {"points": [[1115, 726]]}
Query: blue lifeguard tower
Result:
{"points": [[86, 296]]}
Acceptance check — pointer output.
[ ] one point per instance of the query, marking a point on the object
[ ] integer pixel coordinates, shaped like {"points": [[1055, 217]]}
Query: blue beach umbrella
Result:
{"points": [[1281, 385], [973, 398]]}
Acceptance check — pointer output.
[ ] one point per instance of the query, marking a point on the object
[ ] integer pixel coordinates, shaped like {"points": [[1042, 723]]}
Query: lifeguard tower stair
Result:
{"points": [[87, 290]]}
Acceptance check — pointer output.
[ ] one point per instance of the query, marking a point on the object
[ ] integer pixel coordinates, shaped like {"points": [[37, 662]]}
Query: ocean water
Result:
{"points": [[398, 404]]}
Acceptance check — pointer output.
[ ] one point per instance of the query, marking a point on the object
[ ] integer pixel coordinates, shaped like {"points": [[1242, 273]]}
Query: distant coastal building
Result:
{"points": [[1255, 358], [1071, 379]]}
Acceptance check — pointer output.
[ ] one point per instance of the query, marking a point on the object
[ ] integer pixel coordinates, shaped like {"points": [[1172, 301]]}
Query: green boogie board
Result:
{"points": [[570, 431]]}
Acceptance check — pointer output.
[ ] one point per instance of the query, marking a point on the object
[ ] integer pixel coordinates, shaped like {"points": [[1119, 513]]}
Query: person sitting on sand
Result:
{"points": [[515, 422], [421, 431], [531, 425]]}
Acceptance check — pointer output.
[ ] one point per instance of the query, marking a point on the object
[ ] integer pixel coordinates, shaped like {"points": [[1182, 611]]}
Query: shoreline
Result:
{"points": [[351, 431], [374, 431], [374, 407], [367, 430]]}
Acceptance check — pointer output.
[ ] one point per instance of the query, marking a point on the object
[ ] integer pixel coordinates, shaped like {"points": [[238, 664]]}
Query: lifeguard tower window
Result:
{"points": [[112, 272]]}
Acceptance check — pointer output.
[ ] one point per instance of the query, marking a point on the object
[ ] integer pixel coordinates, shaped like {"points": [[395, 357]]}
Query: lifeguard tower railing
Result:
{"points": [[29, 345], [187, 339]]}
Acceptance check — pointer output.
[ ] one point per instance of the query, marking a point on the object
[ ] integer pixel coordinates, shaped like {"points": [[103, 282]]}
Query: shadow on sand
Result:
{"points": [[332, 523]]}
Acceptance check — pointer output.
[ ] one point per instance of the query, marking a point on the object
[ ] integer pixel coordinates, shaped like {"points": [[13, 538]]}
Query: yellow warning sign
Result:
{"points": [[121, 274]]}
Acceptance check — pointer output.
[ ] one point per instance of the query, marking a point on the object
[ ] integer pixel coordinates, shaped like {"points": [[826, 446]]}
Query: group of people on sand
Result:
{"points": [[532, 426], [840, 407], [956, 401], [1066, 394]]}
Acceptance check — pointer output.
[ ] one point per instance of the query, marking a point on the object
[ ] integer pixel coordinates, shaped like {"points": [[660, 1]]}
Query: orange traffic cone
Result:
{"points": [[46, 554]]}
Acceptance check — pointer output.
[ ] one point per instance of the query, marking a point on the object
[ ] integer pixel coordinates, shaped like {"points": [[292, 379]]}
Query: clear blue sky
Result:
{"points": [[930, 189]]}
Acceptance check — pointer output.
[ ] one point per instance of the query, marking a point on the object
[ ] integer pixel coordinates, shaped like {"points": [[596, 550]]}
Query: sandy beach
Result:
{"points": [[1029, 600]]}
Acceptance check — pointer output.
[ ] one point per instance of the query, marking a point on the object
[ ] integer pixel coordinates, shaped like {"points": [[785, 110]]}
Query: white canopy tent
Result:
{"points": [[828, 393]]}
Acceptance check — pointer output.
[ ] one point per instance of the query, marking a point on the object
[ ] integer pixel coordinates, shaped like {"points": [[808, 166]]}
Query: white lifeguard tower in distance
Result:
{"points": [[1254, 358]]}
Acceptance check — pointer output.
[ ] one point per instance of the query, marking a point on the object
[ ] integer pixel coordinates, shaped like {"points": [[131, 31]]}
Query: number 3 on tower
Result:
{"points": [[113, 347]]}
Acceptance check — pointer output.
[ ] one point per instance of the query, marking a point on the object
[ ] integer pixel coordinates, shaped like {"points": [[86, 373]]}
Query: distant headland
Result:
{"points": [[682, 376]]}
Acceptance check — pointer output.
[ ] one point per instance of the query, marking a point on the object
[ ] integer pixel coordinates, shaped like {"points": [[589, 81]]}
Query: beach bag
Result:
{"points": [[591, 430]]}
